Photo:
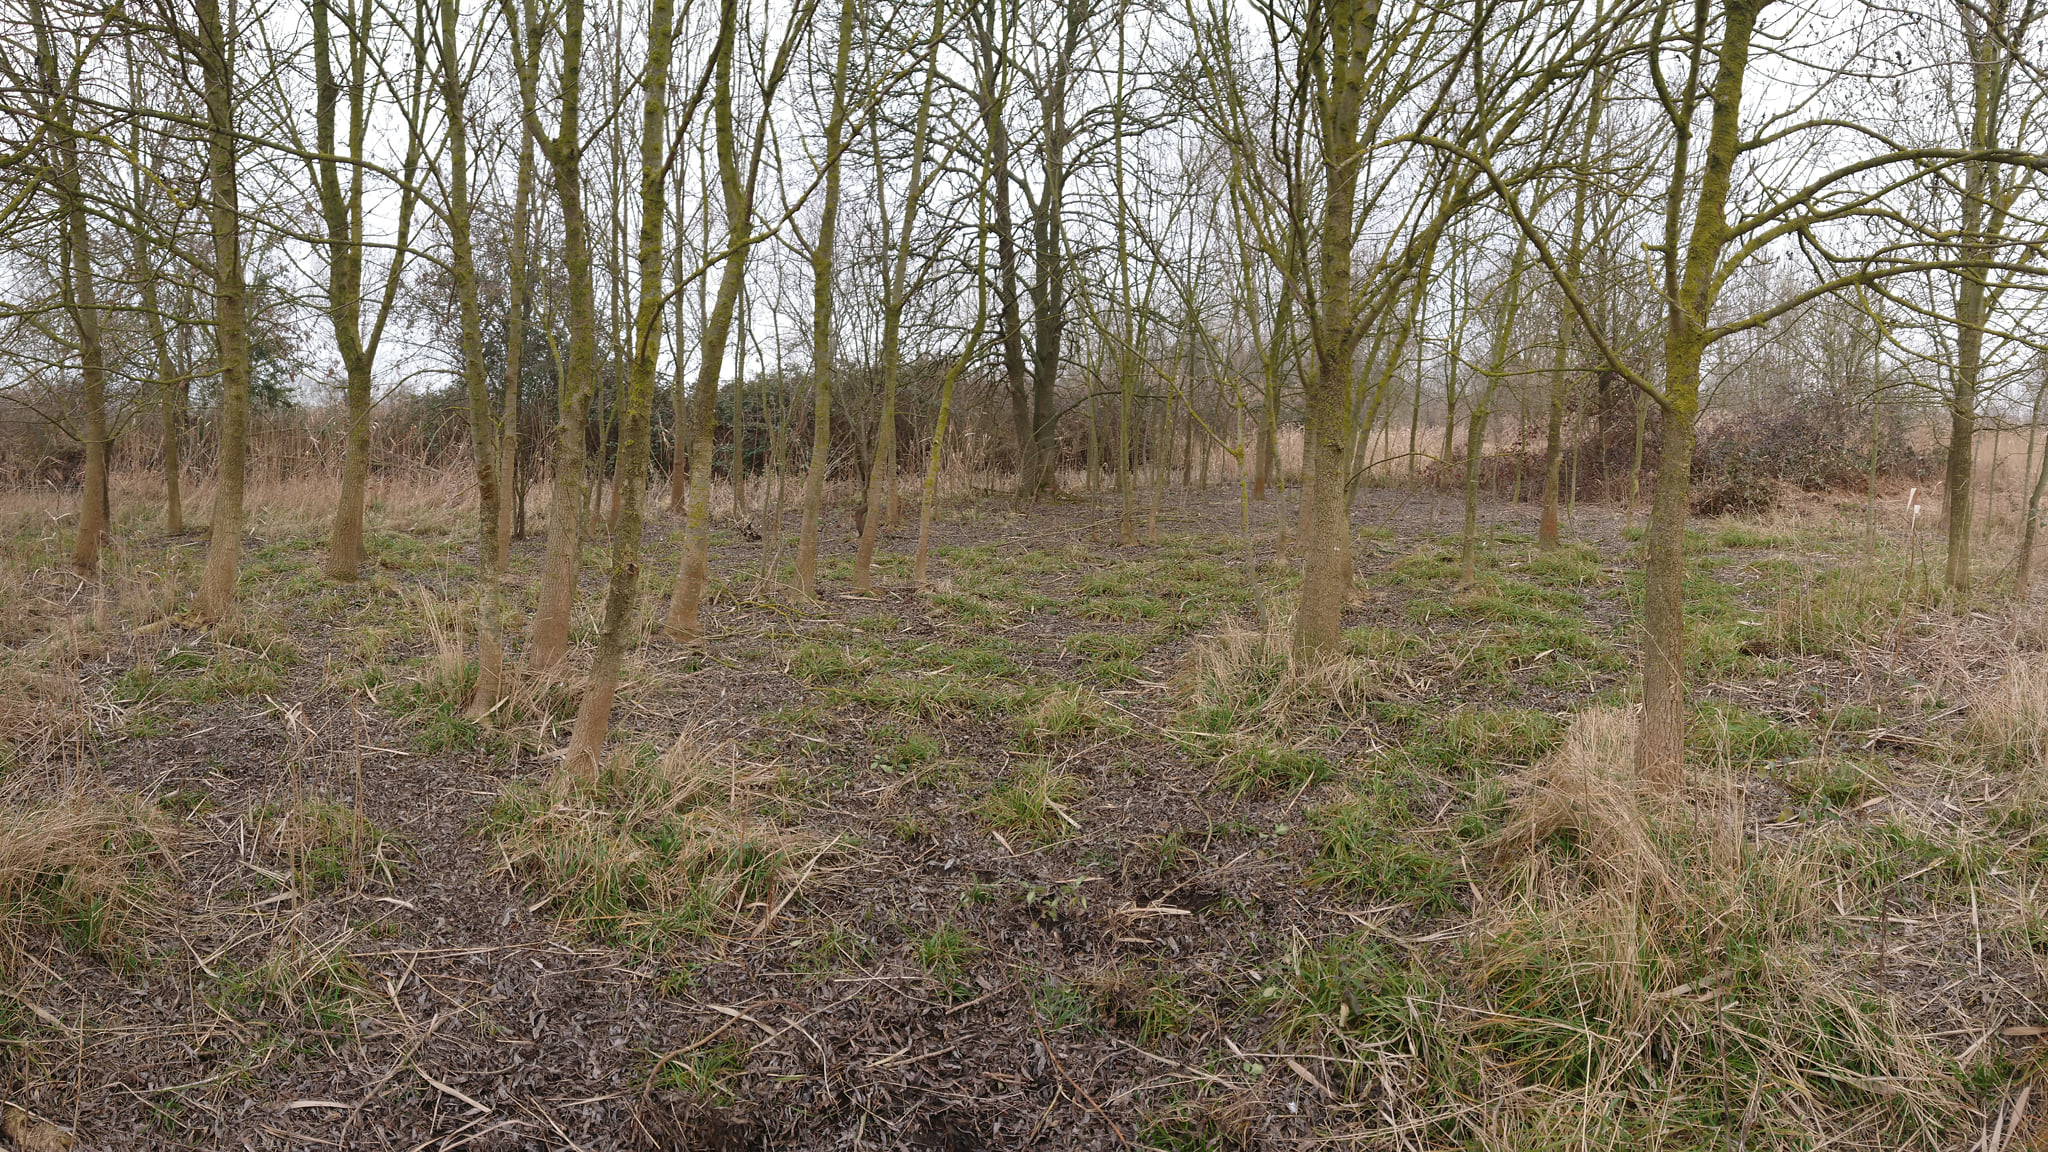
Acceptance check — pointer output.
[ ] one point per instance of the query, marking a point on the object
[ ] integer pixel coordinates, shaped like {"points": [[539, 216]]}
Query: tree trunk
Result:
{"points": [[2023, 564], [1326, 567], [483, 430], [688, 593], [516, 300], [1983, 217], [1660, 743], [170, 387], [1553, 440], [989, 62], [1475, 427], [824, 340], [215, 53], [82, 298], [579, 370], [954, 371], [895, 295], [79, 292], [594, 710]]}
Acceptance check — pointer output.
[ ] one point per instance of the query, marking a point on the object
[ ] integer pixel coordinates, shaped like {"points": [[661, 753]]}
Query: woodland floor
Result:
{"points": [[1059, 853]]}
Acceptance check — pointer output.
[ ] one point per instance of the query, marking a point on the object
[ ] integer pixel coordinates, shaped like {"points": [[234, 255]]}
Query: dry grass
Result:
{"points": [[1253, 674], [1659, 974], [447, 672], [658, 846], [1586, 800], [76, 866], [2009, 721]]}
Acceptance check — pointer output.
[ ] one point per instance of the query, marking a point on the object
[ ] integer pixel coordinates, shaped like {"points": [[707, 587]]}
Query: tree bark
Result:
{"points": [[341, 211], [1475, 426], [896, 288], [80, 295], [824, 339], [685, 599], [990, 60], [170, 387], [214, 49], [593, 711], [82, 299], [1326, 568], [1660, 744], [516, 303], [491, 687], [579, 371]]}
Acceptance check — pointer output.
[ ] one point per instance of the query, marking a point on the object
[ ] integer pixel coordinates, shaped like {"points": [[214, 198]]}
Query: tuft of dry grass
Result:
{"points": [[2009, 722], [76, 866], [658, 846], [448, 673], [1034, 801], [328, 845], [1253, 673], [1585, 798]]}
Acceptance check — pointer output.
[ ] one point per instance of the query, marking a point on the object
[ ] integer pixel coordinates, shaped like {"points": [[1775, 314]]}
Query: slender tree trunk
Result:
{"points": [[991, 59], [1475, 427], [515, 335], [1981, 219], [1560, 381], [1660, 744], [344, 279], [80, 293], [2023, 564], [1553, 440], [491, 684], [579, 370], [214, 50], [170, 387], [688, 593], [824, 339], [594, 710], [82, 300], [1049, 264], [736, 470], [954, 371], [896, 290]]}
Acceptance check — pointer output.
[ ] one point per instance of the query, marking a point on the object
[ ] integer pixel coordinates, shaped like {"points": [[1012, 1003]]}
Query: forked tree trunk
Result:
{"points": [[344, 283], [341, 211], [1660, 743]]}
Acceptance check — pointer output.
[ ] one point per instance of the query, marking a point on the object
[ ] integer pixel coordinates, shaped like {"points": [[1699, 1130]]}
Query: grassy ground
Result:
{"points": [[1062, 852]]}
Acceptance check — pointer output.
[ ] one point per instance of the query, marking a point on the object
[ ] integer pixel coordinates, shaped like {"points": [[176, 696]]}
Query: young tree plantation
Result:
{"points": [[988, 574]]}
